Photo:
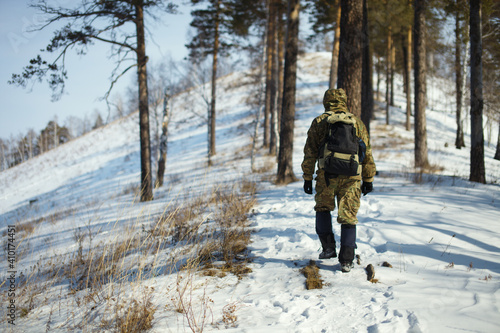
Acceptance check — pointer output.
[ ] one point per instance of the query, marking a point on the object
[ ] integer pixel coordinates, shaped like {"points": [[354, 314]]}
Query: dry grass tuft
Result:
{"points": [[313, 278], [137, 318], [101, 265], [133, 316], [229, 317], [229, 236]]}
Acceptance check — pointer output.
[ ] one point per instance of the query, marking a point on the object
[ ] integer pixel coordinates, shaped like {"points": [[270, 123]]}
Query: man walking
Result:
{"points": [[339, 142]]}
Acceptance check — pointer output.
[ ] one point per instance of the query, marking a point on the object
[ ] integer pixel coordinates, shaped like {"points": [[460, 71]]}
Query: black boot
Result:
{"points": [[328, 244], [325, 234], [347, 247]]}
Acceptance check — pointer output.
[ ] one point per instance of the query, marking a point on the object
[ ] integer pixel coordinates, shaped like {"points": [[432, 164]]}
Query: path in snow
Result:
{"points": [[445, 262], [276, 298]]}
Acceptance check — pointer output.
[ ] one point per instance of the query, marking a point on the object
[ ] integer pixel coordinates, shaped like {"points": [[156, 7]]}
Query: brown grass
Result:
{"points": [[132, 316], [102, 265], [229, 317], [137, 317], [211, 227]]}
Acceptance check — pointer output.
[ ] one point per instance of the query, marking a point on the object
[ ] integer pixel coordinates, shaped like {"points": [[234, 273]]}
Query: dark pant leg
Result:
{"points": [[324, 229], [347, 243]]}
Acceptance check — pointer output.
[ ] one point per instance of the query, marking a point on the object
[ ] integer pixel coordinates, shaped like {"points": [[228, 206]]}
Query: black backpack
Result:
{"points": [[343, 151]]}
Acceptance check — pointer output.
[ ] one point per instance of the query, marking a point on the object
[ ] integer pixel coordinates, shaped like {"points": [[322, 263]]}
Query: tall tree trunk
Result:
{"points": [[379, 76], [285, 158], [281, 56], [335, 49], [393, 69], [350, 53], [419, 51], [262, 92], [163, 142], [388, 76], [274, 79], [269, 72], [367, 88], [211, 118], [146, 177], [407, 77], [477, 170], [459, 140]]}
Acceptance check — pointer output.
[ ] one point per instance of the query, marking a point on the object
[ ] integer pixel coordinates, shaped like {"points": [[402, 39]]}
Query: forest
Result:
{"points": [[178, 210], [370, 42]]}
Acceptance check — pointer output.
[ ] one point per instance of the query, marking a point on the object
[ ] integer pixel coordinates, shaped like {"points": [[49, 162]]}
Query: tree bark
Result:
{"points": [[407, 77], [367, 74], [146, 177], [378, 67], [212, 115], [459, 140], [335, 50], [393, 69], [420, 68], [285, 158], [350, 53], [477, 170], [262, 92], [271, 42], [274, 79], [163, 142], [388, 76], [281, 56]]}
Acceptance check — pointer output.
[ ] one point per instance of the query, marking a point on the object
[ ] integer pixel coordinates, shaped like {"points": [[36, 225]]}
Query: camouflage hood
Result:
{"points": [[335, 100]]}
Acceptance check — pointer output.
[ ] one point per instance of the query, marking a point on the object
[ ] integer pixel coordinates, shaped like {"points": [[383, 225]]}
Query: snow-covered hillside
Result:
{"points": [[439, 232]]}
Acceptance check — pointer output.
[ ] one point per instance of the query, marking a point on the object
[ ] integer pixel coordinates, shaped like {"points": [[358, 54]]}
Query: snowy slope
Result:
{"points": [[439, 232]]}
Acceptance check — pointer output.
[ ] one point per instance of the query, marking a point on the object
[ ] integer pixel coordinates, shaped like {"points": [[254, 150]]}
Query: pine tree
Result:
{"points": [[221, 18], [271, 76], [350, 53], [491, 64], [406, 42], [367, 74], [477, 170], [207, 23], [103, 21], [52, 136], [419, 52], [458, 9], [285, 157], [459, 75]]}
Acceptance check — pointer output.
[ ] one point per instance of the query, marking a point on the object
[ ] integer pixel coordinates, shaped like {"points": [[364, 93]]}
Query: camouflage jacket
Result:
{"points": [[334, 101]]}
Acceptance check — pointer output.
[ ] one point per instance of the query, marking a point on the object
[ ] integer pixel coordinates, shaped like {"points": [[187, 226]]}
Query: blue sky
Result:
{"points": [[22, 109]]}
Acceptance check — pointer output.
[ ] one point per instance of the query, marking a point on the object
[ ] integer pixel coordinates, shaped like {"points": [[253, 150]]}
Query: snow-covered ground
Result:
{"points": [[439, 231]]}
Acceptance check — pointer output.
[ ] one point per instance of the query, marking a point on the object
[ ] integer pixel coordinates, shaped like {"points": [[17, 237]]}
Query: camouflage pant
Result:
{"points": [[346, 190]]}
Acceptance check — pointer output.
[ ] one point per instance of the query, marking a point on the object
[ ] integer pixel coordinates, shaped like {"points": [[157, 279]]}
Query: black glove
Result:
{"points": [[308, 186], [366, 188]]}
